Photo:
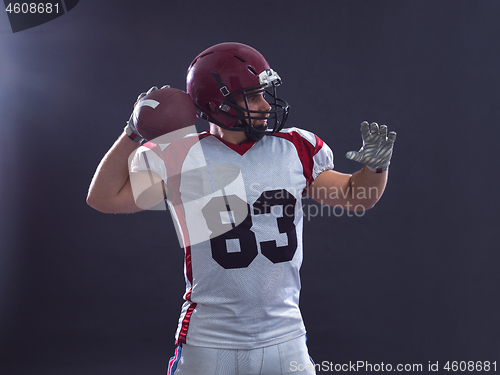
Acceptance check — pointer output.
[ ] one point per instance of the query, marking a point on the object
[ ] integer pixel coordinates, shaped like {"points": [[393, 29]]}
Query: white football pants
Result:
{"points": [[288, 358]]}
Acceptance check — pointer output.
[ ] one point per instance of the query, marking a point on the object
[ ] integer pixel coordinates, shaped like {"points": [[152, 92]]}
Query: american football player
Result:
{"points": [[235, 193]]}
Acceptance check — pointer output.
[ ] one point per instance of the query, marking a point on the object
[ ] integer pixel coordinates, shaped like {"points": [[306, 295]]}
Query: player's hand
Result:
{"points": [[377, 147], [131, 128]]}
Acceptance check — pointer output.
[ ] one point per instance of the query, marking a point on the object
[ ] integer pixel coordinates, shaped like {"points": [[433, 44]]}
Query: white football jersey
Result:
{"points": [[238, 215]]}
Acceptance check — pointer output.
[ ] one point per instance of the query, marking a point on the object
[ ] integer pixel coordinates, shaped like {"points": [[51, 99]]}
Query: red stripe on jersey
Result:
{"points": [[185, 324], [239, 148], [189, 270], [305, 150], [319, 144]]}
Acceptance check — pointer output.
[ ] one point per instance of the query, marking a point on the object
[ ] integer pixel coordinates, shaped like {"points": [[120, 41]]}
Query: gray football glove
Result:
{"points": [[130, 128], [377, 147]]}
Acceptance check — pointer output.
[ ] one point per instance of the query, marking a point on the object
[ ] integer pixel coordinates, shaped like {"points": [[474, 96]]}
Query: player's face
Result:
{"points": [[256, 102]]}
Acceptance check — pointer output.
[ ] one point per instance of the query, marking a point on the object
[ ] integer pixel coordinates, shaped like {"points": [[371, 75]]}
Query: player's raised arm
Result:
{"points": [[129, 181], [361, 190], [110, 190]]}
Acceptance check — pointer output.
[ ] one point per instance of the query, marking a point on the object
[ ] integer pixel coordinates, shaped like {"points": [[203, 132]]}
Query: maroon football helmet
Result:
{"points": [[220, 74]]}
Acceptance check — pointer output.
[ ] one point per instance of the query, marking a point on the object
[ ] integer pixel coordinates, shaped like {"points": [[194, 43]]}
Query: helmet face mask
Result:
{"points": [[245, 117], [221, 76]]}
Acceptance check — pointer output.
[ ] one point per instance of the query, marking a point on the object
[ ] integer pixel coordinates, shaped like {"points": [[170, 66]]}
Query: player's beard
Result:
{"points": [[260, 123], [257, 124], [261, 126]]}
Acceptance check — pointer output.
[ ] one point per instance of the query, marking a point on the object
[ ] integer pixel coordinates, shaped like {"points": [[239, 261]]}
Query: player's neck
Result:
{"points": [[235, 137]]}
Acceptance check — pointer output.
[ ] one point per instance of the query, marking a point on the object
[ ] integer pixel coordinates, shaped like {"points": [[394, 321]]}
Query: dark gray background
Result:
{"points": [[414, 280]]}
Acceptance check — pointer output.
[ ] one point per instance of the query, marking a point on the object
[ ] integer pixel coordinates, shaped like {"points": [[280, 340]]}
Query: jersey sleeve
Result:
{"points": [[148, 158], [322, 158], [315, 155]]}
